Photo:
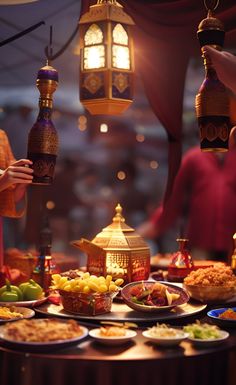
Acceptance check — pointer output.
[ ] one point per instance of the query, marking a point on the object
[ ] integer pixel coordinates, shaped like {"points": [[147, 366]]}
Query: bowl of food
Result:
{"points": [[211, 285], [165, 335], [204, 334], [113, 333], [150, 296], [86, 294]]}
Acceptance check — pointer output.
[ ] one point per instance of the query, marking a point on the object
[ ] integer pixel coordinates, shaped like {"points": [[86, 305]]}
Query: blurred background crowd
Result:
{"points": [[102, 161]]}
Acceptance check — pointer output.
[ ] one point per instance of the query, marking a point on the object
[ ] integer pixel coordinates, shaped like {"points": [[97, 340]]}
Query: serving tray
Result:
{"points": [[121, 312]]}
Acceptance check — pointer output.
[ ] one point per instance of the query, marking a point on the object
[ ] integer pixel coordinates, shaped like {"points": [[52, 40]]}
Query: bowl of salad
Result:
{"points": [[149, 296], [204, 334]]}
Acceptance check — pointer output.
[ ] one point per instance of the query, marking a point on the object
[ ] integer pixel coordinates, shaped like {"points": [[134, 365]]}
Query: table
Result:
{"points": [[135, 363]]}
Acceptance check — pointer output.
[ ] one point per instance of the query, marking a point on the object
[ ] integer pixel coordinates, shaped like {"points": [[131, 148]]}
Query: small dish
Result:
{"points": [[24, 311], [209, 341], [95, 333], [126, 294], [166, 341], [225, 322]]}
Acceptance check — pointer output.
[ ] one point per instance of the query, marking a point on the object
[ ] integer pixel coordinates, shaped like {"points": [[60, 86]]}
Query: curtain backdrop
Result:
{"points": [[165, 39]]}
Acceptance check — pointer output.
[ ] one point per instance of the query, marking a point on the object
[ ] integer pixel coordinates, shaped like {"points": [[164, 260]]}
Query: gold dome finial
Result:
{"points": [[118, 217]]}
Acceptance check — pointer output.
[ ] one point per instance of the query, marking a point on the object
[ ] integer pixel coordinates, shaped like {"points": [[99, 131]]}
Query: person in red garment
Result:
{"points": [[204, 194], [14, 177]]}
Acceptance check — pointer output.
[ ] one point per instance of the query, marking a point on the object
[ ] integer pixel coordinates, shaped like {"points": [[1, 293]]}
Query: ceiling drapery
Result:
{"points": [[165, 39]]}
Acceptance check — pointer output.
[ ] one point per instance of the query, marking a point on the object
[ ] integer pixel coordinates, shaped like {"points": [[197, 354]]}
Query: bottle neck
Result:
{"points": [[45, 113], [45, 102], [45, 251]]}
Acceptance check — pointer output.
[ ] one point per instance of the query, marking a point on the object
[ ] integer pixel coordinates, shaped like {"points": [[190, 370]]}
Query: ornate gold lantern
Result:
{"points": [[107, 63], [212, 101], [117, 250]]}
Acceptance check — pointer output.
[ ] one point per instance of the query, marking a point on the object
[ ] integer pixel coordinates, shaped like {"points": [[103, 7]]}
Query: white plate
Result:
{"points": [[27, 313], [95, 333], [41, 346], [166, 341], [209, 341], [33, 303]]}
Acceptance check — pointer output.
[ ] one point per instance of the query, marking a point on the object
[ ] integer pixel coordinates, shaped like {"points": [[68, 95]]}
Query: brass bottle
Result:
{"points": [[212, 102], [45, 267], [43, 139]]}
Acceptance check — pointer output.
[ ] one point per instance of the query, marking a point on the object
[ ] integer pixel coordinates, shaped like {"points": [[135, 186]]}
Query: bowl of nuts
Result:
{"points": [[215, 284]]}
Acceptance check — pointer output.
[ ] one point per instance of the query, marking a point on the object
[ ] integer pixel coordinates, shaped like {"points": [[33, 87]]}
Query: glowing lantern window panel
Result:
{"points": [[120, 57], [120, 35], [94, 57], [93, 35], [107, 66]]}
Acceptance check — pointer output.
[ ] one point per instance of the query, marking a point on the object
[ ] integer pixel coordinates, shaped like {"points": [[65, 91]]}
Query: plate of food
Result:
{"points": [[32, 303], [150, 296], [204, 334], [27, 294], [42, 334], [14, 313], [113, 333], [165, 335], [225, 316]]}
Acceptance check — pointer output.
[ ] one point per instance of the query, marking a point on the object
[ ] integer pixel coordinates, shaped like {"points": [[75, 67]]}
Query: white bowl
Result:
{"points": [[114, 340], [166, 341], [209, 341]]}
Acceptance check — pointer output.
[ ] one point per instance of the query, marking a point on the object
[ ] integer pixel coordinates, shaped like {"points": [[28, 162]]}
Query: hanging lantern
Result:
{"points": [[107, 63], [212, 101]]}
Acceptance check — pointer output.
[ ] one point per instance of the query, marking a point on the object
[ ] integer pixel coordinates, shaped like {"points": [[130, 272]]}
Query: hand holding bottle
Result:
{"points": [[224, 64], [18, 172]]}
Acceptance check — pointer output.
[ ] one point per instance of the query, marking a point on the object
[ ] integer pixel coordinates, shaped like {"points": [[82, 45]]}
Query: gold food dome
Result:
{"points": [[117, 250]]}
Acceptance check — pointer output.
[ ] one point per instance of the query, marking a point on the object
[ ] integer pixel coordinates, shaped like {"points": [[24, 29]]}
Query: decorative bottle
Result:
{"points": [[233, 257], [181, 263], [212, 102], [44, 267], [43, 139]]}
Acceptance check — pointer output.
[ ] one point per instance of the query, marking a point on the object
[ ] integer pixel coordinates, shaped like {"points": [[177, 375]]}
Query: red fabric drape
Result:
{"points": [[165, 39]]}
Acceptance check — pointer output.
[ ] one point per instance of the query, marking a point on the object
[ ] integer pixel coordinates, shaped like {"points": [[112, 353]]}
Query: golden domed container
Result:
{"points": [[117, 250]]}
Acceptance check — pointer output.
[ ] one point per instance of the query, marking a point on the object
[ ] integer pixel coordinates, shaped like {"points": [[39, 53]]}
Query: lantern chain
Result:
{"points": [[214, 5]]}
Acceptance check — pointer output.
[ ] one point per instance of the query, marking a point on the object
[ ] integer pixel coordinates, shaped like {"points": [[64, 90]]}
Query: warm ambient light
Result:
{"points": [[104, 128], [154, 164], [107, 65]]}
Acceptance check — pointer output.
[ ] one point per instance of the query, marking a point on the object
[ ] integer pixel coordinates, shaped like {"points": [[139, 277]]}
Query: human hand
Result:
{"points": [[17, 173], [224, 64], [147, 230]]}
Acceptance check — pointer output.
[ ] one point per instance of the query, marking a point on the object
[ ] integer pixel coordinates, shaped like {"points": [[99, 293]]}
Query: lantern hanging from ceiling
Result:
{"points": [[107, 60], [212, 101]]}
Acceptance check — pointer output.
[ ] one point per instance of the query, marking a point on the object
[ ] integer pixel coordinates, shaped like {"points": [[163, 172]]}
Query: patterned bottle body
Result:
{"points": [[212, 109], [43, 147]]}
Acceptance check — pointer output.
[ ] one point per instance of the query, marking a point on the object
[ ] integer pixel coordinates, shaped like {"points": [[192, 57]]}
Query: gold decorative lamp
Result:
{"points": [[107, 59], [118, 251], [212, 102]]}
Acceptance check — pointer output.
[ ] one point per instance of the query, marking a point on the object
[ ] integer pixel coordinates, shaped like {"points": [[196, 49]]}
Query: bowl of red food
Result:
{"points": [[149, 296]]}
